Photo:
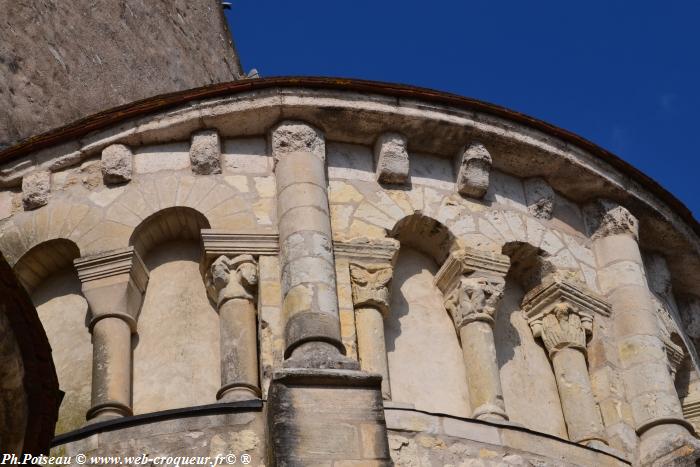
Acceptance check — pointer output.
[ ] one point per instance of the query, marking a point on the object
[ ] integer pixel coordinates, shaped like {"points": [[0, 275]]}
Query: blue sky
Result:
{"points": [[625, 78]]}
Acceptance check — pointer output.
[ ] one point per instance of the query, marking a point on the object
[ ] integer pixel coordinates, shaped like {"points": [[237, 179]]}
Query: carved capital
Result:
{"points": [[605, 218], [472, 282], [113, 284], [564, 326], [561, 312], [475, 299], [370, 285], [232, 278]]}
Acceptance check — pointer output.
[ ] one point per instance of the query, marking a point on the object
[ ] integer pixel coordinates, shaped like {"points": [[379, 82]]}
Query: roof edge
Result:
{"points": [[103, 119]]}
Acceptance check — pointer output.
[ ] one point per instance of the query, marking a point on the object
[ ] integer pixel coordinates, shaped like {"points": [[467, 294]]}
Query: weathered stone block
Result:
{"points": [[391, 157], [473, 169], [293, 136], [321, 416], [605, 218], [205, 152], [117, 163], [35, 190], [540, 197]]}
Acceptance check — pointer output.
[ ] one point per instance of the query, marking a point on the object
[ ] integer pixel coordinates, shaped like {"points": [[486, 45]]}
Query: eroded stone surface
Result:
{"points": [[473, 167], [35, 190], [117, 163], [540, 197], [391, 157], [205, 152]]}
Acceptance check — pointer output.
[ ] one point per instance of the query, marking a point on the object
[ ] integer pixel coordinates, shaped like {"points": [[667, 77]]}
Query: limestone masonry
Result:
{"points": [[319, 272]]}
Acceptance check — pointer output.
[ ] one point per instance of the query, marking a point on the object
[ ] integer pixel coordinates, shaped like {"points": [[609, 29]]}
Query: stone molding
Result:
{"points": [[561, 312], [216, 243], [605, 218], [113, 263], [370, 286], [367, 250], [232, 278], [469, 261]]}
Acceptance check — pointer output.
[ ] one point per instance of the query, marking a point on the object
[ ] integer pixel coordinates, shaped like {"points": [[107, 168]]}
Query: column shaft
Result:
{"points": [[483, 374], [239, 351], [113, 284], [310, 302], [582, 416], [371, 346], [111, 369], [664, 434], [643, 359]]}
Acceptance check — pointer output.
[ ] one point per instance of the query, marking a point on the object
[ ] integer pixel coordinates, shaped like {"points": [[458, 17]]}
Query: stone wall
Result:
{"points": [[61, 62], [491, 301]]}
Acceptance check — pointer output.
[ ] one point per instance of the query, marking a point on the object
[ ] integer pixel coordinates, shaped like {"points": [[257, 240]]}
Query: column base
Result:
{"points": [[237, 392], [668, 445], [491, 413], [316, 416], [107, 411], [321, 355]]}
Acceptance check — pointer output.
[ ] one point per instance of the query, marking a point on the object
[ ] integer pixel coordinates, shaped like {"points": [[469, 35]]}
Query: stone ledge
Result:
{"points": [[499, 434], [126, 422]]}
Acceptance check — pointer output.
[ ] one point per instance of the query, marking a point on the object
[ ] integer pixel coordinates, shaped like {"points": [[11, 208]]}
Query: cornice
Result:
{"points": [[470, 261], [540, 300], [113, 263]]}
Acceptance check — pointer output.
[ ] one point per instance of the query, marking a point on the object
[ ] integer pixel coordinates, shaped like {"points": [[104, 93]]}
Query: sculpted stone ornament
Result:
{"points": [[231, 283], [605, 218], [370, 285], [560, 312], [232, 278], [473, 282], [473, 168], [371, 297], [475, 299], [564, 327]]}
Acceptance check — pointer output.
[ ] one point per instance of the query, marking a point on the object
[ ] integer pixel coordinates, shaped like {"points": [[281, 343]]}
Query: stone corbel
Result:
{"points": [[473, 169], [113, 284], [472, 283], [560, 313]]}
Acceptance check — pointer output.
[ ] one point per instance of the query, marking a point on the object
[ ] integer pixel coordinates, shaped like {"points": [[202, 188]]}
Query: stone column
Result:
{"points": [[321, 409], [370, 297], [310, 303], [561, 313], [663, 432], [113, 284], [473, 283], [231, 283]]}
